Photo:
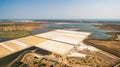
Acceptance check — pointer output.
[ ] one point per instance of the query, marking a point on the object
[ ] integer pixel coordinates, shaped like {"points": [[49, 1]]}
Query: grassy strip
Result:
{"points": [[13, 34]]}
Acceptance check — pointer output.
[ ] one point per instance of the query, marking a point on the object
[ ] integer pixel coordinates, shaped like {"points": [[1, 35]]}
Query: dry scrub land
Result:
{"points": [[54, 60], [112, 47]]}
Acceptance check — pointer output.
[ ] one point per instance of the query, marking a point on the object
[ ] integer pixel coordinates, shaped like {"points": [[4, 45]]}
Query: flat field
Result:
{"points": [[13, 30]]}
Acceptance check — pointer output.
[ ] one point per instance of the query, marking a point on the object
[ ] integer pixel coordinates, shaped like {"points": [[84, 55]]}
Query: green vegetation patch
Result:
{"points": [[13, 34]]}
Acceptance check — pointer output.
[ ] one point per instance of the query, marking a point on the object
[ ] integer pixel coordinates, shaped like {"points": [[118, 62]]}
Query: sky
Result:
{"points": [[59, 9]]}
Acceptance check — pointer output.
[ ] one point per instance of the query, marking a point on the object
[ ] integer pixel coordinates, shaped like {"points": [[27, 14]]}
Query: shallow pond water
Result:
{"points": [[97, 33]]}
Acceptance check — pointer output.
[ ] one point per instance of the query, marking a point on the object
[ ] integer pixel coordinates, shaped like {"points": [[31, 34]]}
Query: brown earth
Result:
{"points": [[112, 47]]}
